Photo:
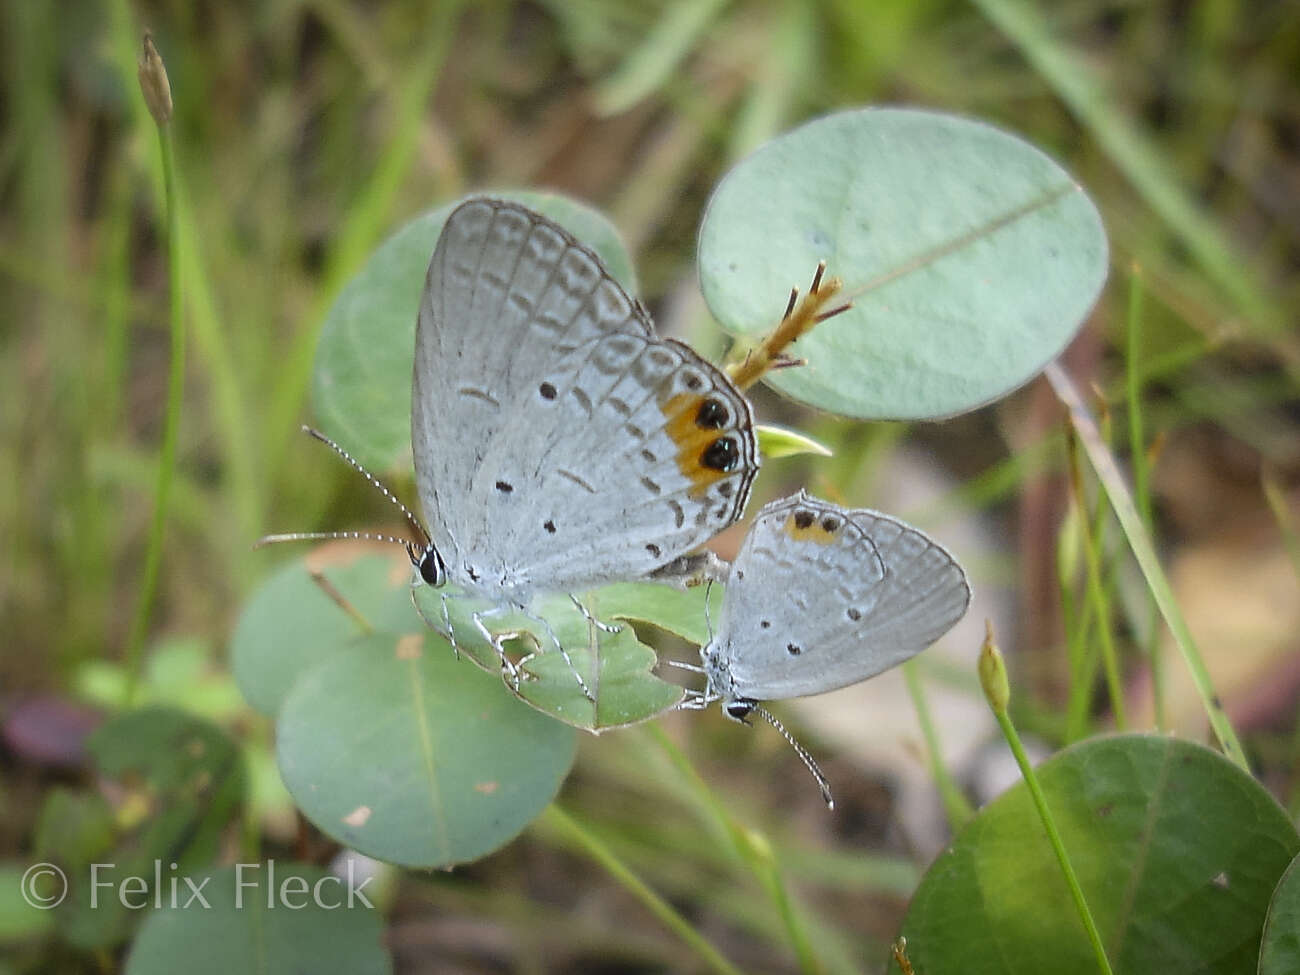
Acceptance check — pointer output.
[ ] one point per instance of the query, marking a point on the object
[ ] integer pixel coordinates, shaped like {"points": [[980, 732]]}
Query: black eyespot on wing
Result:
{"points": [[712, 415], [830, 524], [547, 391], [693, 381], [504, 487], [765, 624], [803, 519], [793, 649], [721, 455], [853, 614], [654, 550], [549, 526]]}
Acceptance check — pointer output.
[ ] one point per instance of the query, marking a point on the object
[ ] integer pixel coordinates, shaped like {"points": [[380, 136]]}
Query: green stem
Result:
{"points": [[1141, 480], [570, 828], [997, 691], [1049, 824], [955, 805], [1097, 595], [171, 424], [752, 849], [1140, 543]]}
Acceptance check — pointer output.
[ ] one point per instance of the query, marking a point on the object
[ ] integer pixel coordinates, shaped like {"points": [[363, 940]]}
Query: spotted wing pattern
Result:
{"points": [[559, 443], [821, 597]]}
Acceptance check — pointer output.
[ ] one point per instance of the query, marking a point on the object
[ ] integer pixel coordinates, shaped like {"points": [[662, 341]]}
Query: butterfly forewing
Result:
{"points": [[559, 440]]}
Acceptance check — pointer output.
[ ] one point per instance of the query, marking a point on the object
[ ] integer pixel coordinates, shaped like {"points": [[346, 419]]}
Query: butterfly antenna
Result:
{"points": [[374, 482], [802, 752], [412, 552]]}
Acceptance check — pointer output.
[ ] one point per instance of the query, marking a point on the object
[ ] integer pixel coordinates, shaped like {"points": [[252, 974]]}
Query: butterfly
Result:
{"points": [[559, 443], [820, 597]]}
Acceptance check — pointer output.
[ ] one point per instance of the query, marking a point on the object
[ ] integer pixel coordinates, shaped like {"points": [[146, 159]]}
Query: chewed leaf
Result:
{"points": [[362, 384], [616, 668], [971, 258]]}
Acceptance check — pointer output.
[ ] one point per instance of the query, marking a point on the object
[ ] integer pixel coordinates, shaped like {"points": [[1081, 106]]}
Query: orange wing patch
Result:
{"points": [[803, 525], [705, 455]]}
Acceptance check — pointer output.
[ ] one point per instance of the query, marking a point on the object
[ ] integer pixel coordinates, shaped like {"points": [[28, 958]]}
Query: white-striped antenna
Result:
{"points": [[813, 767], [418, 552]]}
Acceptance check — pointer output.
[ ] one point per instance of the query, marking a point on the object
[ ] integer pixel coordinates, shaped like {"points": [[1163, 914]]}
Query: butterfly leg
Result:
{"points": [[586, 614], [497, 642], [448, 632], [565, 653]]}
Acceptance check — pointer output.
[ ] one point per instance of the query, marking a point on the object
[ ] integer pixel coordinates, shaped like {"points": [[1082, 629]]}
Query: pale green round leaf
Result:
{"points": [[397, 749], [261, 917], [1177, 850], [1279, 952], [291, 621], [971, 257], [362, 379]]}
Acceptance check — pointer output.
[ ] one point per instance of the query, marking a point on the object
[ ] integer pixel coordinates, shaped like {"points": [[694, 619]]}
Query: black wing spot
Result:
{"points": [[725, 488], [853, 614], [803, 519], [721, 455], [650, 486], [765, 624], [648, 456], [550, 527], [712, 415], [654, 550], [830, 524], [793, 649], [547, 390], [740, 576], [505, 487], [679, 516], [583, 399], [693, 381]]}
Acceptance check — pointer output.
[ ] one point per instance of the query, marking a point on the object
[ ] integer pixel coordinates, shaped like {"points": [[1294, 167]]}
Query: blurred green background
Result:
{"points": [[305, 132]]}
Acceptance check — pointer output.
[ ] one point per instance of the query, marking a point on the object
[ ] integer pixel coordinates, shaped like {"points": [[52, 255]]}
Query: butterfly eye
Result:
{"points": [[431, 568], [739, 710]]}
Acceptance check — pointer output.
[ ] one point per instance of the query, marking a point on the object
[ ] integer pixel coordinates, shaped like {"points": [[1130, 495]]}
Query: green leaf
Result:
{"points": [[362, 385], [178, 782], [776, 442], [266, 917], [178, 672], [20, 919], [406, 754], [1176, 848], [625, 689], [290, 622], [1279, 952], [972, 259]]}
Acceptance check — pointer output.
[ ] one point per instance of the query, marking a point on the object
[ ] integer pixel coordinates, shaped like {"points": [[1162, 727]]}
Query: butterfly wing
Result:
{"points": [[559, 443], [821, 597]]}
